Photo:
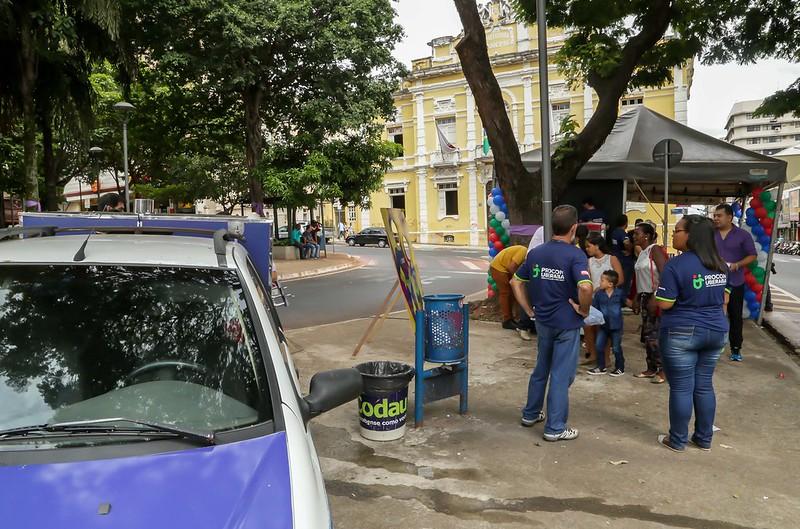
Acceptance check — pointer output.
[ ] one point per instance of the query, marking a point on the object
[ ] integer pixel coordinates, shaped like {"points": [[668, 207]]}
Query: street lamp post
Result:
{"points": [[544, 104], [124, 109], [94, 154]]}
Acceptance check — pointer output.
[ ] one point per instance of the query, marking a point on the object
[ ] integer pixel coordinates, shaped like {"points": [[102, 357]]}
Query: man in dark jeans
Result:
{"points": [[736, 247]]}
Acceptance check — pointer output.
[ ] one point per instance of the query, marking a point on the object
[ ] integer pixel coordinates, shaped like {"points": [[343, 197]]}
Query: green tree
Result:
{"points": [[613, 46], [41, 36], [294, 66]]}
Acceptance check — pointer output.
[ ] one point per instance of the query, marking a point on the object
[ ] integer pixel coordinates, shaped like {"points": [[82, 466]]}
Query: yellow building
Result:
{"points": [[443, 190]]}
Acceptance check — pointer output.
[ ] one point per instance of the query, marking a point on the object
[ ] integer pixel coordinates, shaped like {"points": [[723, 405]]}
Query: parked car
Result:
{"points": [[369, 236], [147, 382]]}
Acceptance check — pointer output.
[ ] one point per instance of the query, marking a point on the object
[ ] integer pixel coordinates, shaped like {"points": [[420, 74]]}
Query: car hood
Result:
{"points": [[238, 485]]}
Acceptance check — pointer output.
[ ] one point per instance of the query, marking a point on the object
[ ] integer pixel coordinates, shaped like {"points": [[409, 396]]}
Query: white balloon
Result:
{"points": [[500, 216], [506, 224], [494, 209], [490, 201], [762, 257]]}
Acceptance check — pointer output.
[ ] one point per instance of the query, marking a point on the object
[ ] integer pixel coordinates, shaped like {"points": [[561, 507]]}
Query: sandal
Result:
{"points": [[658, 378], [645, 374]]}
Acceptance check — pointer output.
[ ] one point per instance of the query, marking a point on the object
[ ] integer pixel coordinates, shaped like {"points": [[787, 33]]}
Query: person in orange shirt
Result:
{"points": [[502, 269]]}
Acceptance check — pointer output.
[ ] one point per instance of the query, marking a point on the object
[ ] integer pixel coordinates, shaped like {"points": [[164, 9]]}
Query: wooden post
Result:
{"points": [[381, 314]]}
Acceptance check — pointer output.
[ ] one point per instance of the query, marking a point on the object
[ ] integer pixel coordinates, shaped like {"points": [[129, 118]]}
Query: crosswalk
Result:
{"points": [[784, 301]]}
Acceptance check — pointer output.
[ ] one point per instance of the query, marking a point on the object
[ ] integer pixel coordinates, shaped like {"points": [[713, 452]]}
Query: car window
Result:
{"points": [[168, 345]]}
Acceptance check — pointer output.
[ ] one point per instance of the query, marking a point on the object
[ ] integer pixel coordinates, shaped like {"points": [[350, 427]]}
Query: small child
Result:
{"points": [[609, 300]]}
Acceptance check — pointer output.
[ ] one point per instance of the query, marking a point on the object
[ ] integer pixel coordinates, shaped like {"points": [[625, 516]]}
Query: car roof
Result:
{"points": [[164, 250]]}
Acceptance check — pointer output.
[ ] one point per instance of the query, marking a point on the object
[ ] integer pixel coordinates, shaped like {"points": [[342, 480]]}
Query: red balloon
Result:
{"points": [[759, 297], [494, 231], [490, 293], [493, 237], [767, 223], [498, 245], [755, 203], [761, 213], [758, 288], [757, 191]]}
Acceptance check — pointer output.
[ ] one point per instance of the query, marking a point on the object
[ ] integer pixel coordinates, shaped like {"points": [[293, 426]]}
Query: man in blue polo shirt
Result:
{"points": [[557, 278], [736, 248]]}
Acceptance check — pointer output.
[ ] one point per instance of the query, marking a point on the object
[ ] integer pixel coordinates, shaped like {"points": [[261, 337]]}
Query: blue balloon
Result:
{"points": [[752, 222], [492, 252], [497, 192], [766, 247], [736, 206], [749, 296], [764, 240], [750, 212], [737, 214], [758, 231]]}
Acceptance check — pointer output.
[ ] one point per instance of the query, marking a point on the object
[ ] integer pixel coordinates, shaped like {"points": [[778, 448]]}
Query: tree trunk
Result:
{"points": [[522, 191], [27, 83], [2, 210], [49, 162], [253, 96]]}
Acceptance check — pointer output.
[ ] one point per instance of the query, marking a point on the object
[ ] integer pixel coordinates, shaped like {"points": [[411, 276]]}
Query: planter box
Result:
{"points": [[285, 253]]}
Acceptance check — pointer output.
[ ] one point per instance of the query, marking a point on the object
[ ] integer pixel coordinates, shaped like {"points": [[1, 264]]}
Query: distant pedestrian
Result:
{"points": [[342, 230], [581, 234], [608, 299], [502, 269], [621, 247], [556, 275], [648, 268], [693, 295], [737, 249], [295, 237], [595, 219]]}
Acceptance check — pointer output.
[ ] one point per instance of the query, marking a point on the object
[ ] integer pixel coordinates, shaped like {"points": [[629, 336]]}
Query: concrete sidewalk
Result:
{"points": [[301, 268], [484, 470], [786, 327]]}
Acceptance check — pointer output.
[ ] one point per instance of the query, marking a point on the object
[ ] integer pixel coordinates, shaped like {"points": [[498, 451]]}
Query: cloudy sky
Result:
{"points": [[714, 89]]}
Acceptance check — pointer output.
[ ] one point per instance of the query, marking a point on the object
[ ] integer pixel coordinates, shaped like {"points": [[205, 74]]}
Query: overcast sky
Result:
{"points": [[714, 90]]}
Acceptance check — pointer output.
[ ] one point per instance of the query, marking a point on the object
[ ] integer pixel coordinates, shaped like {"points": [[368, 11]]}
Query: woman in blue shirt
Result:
{"points": [[693, 294]]}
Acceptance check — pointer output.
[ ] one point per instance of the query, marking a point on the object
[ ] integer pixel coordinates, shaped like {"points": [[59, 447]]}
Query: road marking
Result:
{"points": [[785, 293], [470, 265]]}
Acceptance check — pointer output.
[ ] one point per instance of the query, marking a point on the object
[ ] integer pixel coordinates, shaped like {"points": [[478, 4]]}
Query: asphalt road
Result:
{"points": [[788, 276], [360, 292]]}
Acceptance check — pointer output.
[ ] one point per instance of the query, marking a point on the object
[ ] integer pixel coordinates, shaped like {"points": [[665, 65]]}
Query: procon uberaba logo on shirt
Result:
{"points": [[709, 280], [547, 274]]}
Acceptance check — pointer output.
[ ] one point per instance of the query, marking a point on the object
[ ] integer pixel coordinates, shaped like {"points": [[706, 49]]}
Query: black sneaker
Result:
{"points": [[509, 324], [595, 371], [527, 423], [616, 373]]}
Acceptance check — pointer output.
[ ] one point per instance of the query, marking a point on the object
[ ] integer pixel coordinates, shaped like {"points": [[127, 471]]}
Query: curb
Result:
{"points": [[353, 262]]}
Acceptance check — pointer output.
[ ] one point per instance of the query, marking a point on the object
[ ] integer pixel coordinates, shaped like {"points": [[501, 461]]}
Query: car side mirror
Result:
{"points": [[331, 389]]}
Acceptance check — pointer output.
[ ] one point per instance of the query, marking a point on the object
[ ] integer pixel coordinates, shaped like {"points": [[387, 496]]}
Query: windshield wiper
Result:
{"points": [[101, 426]]}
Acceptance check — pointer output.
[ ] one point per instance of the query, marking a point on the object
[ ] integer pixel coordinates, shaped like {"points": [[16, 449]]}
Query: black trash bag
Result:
{"points": [[384, 376]]}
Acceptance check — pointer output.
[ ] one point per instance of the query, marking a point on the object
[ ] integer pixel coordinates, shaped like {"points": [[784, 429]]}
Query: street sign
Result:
{"points": [[670, 148]]}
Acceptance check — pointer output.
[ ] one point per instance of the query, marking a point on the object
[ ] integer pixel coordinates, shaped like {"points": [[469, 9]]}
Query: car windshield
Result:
{"points": [[173, 346]]}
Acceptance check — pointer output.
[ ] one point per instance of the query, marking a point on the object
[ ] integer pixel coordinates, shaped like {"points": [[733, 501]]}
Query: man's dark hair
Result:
{"points": [[726, 207], [564, 218], [612, 276], [638, 221], [109, 200], [588, 201], [621, 221]]}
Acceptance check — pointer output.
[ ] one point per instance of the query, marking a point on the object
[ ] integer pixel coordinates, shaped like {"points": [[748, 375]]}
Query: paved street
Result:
{"points": [[786, 284], [359, 293]]}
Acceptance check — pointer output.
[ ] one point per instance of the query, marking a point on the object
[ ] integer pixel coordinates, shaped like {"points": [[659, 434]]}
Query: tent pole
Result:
{"points": [[768, 273], [666, 193], [544, 107]]}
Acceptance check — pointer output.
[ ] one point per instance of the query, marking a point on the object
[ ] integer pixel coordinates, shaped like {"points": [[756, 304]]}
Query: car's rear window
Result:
{"points": [[167, 345]]}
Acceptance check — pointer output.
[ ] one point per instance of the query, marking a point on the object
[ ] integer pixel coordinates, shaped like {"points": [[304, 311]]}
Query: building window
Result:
{"points": [[560, 112], [447, 126], [351, 215], [448, 199], [397, 197], [396, 135], [632, 101], [753, 141], [749, 115], [797, 137], [753, 128], [774, 139]]}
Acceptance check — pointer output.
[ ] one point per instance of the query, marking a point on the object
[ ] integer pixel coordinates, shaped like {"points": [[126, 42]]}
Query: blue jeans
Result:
{"points": [[312, 250], [689, 356], [557, 360], [603, 335]]}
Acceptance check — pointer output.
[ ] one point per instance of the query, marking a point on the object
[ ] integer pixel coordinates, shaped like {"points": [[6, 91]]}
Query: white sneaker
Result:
{"points": [[525, 334], [567, 435]]}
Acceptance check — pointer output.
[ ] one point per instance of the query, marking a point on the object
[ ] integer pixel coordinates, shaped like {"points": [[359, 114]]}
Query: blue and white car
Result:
{"points": [[145, 382]]}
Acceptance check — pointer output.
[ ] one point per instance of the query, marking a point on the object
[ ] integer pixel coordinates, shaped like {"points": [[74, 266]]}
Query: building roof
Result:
{"points": [[743, 107], [150, 250]]}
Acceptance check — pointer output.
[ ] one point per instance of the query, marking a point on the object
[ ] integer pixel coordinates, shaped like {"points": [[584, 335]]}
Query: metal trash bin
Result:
{"points": [[444, 328], [383, 405]]}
